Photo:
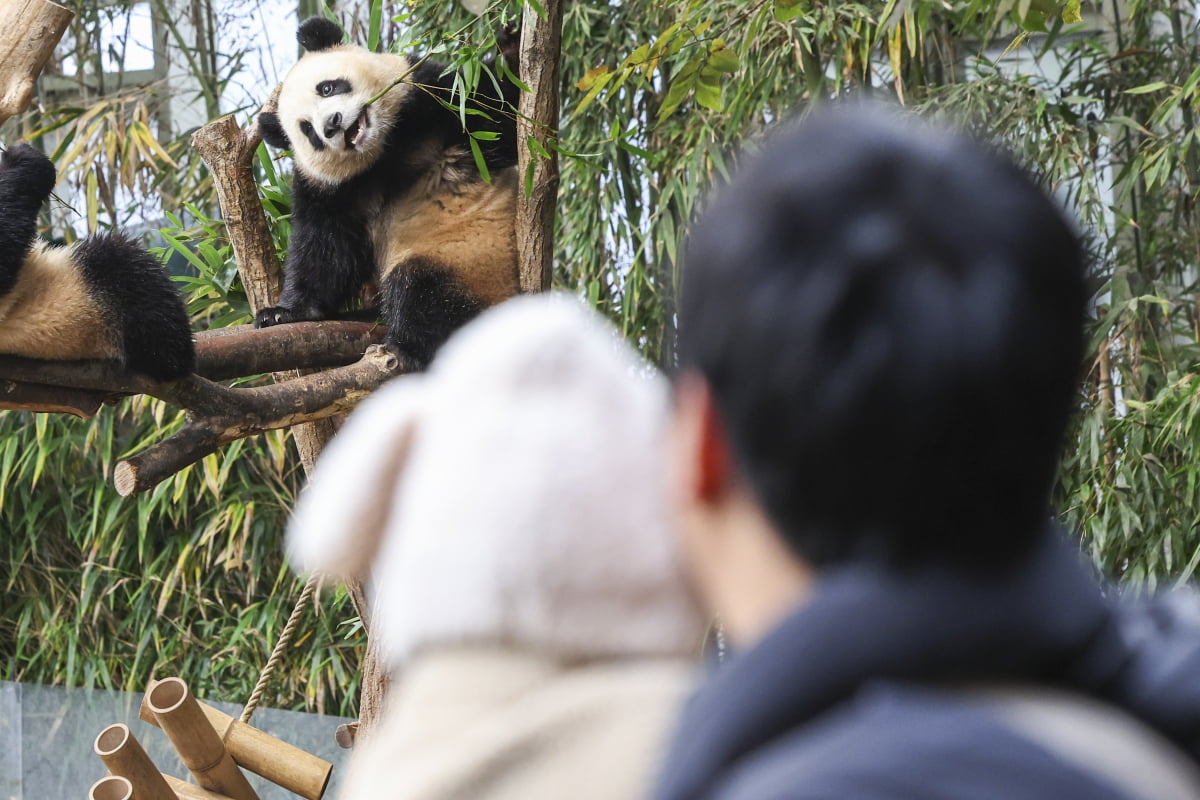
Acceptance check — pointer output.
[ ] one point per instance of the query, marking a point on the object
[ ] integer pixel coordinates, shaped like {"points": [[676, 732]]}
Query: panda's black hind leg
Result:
{"points": [[130, 283], [26, 179], [423, 304]]}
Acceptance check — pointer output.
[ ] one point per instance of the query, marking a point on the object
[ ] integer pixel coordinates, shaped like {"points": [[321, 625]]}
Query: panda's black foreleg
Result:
{"points": [[423, 304], [329, 259], [26, 179]]}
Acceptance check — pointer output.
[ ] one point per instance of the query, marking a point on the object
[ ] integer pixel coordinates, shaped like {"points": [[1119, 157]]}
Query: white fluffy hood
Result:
{"points": [[511, 495]]}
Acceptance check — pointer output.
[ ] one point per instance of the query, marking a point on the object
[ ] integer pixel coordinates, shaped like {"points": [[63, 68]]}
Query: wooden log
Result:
{"points": [[111, 787], [282, 764], [190, 791], [123, 755], [241, 350], [194, 738], [219, 416], [16, 396], [29, 32]]}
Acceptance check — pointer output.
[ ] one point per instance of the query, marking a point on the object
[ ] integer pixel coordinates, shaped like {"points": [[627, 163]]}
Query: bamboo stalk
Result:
{"points": [[282, 764], [190, 791], [111, 787], [123, 755], [196, 741]]}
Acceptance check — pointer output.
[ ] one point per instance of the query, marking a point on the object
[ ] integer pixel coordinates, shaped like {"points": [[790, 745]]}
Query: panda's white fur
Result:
{"points": [[390, 194], [102, 298]]}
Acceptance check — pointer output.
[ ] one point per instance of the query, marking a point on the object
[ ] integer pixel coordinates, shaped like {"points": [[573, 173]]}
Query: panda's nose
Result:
{"points": [[333, 124]]}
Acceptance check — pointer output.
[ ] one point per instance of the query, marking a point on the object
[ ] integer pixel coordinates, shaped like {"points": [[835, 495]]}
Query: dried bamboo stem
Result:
{"points": [[123, 755], [279, 762], [111, 787], [202, 751]]}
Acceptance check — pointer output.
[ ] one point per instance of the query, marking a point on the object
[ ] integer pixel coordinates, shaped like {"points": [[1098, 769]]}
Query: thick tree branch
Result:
{"points": [[541, 41], [229, 153], [218, 415], [29, 31], [242, 350], [16, 396], [80, 387]]}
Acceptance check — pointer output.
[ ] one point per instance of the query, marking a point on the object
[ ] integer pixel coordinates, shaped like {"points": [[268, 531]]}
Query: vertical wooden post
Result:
{"points": [[229, 152], [29, 31], [541, 43]]}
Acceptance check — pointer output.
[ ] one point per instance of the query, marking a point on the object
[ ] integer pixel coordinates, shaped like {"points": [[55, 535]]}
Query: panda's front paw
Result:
{"points": [[26, 169], [274, 315]]}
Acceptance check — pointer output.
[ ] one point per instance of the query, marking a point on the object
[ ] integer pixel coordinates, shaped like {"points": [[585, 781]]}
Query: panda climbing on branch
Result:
{"points": [[388, 192], [102, 298]]}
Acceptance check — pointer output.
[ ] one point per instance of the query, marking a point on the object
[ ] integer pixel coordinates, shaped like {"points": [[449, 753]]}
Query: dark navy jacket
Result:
{"points": [[849, 697]]}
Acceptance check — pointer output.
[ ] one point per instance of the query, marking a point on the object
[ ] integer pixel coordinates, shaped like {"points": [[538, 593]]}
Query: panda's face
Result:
{"points": [[333, 133]]}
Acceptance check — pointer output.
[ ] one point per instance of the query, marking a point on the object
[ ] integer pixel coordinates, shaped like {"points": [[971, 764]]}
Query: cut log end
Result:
{"points": [[125, 478]]}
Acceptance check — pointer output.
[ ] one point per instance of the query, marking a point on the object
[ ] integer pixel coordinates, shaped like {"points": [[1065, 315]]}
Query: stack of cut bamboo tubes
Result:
{"points": [[211, 744]]}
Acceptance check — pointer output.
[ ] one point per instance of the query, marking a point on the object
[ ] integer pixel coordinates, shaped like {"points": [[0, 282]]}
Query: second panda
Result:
{"points": [[389, 193]]}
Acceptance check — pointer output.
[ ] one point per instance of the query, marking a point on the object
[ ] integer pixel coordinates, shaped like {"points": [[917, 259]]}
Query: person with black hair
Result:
{"points": [[879, 349]]}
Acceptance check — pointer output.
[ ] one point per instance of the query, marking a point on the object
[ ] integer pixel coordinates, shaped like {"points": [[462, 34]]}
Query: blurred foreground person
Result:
{"points": [[879, 347], [526, 591]]}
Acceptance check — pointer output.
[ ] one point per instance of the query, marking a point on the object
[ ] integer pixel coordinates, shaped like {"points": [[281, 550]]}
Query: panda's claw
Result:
{"points": [[275, 315]]}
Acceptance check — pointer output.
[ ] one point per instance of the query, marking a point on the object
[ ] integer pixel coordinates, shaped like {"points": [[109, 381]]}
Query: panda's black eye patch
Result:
{"points": [[330, 88], [309, 133]]}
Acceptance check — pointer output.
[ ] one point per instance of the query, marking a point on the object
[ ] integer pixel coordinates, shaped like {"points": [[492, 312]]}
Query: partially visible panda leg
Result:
{"points": [[423, 304], [142, 302], [26, 179]]}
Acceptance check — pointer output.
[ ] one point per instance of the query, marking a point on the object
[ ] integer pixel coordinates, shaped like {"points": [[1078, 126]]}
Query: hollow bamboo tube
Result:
{"points": [[123, 755], [111, 787], [196, 741], [190, 791], [282, 764]]}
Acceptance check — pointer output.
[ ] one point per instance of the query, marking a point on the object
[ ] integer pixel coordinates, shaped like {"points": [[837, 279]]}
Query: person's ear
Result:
{"points": [[704, 469]]}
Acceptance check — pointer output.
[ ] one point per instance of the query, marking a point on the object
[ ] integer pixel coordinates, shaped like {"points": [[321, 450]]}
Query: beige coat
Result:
{"points": [[478, 724]]}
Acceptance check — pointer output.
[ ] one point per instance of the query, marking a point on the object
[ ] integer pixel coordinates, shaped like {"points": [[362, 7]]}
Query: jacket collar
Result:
{"points": [[864, 622]]}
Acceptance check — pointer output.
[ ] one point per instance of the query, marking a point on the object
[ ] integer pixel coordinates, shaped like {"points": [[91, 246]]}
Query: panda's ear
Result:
{"points": [[271, 130], [318, 33], [508, 40]]}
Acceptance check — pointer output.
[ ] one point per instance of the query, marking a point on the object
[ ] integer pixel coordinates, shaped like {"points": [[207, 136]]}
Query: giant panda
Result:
{"points": [[388, 194], [102, 298]]}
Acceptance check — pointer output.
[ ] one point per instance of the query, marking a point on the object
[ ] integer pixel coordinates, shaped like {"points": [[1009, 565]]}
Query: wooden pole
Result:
{"points": [[29, 31], [282, 764], [541, 43], [229, 152], [112, 787], [198, 745], [123, 755]]}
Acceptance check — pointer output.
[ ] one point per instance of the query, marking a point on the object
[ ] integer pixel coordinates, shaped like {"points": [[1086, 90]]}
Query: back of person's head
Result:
{"points": [[888, 315], [509, 497]]}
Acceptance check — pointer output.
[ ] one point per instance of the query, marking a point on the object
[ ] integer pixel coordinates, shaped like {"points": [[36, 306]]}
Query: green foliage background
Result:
{"points": [[657, 100]]}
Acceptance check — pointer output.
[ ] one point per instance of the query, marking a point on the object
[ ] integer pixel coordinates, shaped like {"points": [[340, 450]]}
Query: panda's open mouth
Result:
{"points": [[357, 130]]}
